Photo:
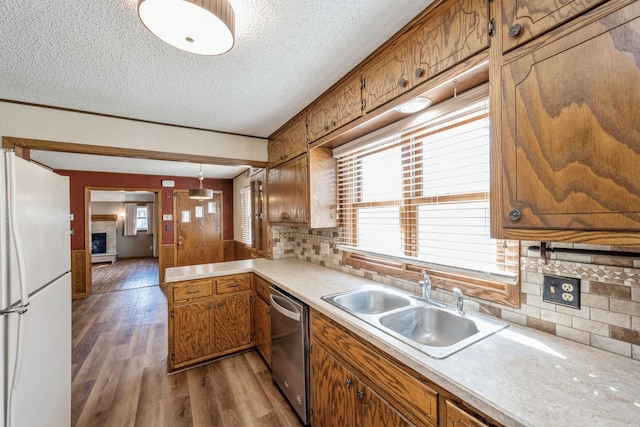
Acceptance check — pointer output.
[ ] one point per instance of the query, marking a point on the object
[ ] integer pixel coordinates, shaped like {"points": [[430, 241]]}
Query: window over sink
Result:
{"points": [[415, 195]]}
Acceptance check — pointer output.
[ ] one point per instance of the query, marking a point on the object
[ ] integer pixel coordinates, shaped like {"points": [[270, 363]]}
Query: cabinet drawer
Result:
{"points": [[403, 389], [191, 290], [261, 287], [233, 284]]}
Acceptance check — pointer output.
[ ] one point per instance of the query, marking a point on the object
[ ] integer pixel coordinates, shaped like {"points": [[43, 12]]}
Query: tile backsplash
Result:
{"points": [[609, 317]]}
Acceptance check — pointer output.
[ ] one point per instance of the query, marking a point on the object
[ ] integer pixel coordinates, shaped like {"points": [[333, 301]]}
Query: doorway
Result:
{"points": [[123, 230], [198, 228]]}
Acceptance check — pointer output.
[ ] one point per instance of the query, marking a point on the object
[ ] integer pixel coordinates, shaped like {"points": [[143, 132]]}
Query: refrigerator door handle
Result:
{"points": [[17, 243], [21, 309], [13, 228]]}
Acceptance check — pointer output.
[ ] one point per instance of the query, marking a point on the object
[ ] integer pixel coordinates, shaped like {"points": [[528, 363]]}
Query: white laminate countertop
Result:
{"points": [[519, 376]]}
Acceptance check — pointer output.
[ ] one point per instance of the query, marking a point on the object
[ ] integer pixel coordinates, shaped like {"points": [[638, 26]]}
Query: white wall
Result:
{"points": [[24, 121], [239, 182]]}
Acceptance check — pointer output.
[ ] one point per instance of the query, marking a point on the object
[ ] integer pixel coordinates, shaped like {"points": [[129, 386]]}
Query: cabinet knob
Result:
{"points": [[402, 83], [515, 30], [515, 215], [220, 304], [325, 127], [333, 124], [360, 394], [347, 382], [284, 215], [419, 72], [209, 306]]}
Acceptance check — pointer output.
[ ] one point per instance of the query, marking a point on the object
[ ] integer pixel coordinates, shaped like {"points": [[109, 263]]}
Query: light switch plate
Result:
{"points": [[561, 290]]}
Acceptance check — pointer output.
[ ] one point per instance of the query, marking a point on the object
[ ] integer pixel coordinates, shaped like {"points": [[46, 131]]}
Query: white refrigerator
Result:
{"points": [[35, 264]]}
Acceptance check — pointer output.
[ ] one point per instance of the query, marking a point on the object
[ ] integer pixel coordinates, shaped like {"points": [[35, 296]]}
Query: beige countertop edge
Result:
{"points": [[519, 376]]}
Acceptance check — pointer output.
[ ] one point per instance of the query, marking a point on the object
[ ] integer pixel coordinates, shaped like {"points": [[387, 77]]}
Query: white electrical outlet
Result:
{"points": [[567, 287], [567, 296]]}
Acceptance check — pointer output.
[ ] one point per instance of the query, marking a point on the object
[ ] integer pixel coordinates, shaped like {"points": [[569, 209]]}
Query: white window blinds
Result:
{"points": [[245, 206], [418, 192]]}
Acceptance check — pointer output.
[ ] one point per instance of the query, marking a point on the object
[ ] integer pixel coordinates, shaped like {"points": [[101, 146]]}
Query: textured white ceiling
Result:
{"points": [[96, 56]]}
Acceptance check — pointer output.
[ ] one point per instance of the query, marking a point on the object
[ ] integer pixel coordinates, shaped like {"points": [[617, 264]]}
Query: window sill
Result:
{"points": [[492, 291]]}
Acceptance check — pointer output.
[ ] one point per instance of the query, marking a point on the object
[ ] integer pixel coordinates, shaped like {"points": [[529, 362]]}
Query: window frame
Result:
{"points": [[138, 218], [409, 269]]}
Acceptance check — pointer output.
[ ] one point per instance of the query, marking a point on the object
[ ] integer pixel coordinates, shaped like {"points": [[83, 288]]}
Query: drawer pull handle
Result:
{"points": [[193, 291], [234, 285], [515, 30]]}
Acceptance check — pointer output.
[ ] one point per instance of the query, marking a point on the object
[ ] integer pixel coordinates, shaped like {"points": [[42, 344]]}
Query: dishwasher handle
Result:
{"points": [[280, 309]]}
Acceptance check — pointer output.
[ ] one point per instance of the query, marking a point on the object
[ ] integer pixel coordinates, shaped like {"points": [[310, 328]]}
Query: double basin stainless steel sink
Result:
{"points": [[437, 332]]}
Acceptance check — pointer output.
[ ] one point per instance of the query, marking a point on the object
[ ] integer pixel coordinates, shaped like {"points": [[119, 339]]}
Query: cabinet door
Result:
{"points": [[457, 417], [276, 149], [571, 134], [319, 118], [288, 200], [374, 411], [262, 316], [333, 391], [232, 322], [454, 32], [192, 331], [296, 138], [347, 103], [387, 77], [522, 20]]}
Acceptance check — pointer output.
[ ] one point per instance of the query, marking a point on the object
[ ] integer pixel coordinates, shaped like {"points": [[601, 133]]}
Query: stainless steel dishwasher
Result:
{"points": [[290, 349]]}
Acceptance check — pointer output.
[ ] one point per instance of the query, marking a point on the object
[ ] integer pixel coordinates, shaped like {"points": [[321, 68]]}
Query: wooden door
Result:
{"points": [[571, 134], [192, 334], [262, 317], [232, 322], [522, 20], [333, 390], [198, 225], [374, 411]]}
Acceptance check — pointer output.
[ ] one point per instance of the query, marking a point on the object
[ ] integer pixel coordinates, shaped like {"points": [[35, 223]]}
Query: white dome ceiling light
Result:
{"points": [[203, 27]]}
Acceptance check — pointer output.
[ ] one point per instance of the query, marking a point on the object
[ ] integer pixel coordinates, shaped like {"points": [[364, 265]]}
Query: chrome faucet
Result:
{"points": [[459, 300], [425, 284]]}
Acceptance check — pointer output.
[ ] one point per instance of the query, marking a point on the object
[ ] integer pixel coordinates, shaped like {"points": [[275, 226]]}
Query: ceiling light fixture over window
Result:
{"points": [[414, 105], [203, 27], [200, 193]]}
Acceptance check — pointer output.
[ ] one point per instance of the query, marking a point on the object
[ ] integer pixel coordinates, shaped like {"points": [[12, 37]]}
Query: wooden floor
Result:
{"points": [[119, 372], [128, 273]]}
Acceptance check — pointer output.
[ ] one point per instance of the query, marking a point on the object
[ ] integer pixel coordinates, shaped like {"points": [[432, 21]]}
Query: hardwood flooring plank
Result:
{"points": [[150, 411], [119, 375]]}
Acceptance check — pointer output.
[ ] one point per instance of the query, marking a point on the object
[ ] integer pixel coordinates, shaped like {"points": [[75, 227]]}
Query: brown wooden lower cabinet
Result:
{"points": [[209, 318], [458, 417], [262, 318], [353, 383]]}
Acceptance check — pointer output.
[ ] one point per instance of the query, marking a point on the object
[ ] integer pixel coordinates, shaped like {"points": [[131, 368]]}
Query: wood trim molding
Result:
{"points": [[101, 150], [500, 293], [104, 217]]}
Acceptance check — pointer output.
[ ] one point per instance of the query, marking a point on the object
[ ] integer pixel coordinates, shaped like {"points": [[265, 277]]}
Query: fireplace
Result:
{"points": [[98, 243]]}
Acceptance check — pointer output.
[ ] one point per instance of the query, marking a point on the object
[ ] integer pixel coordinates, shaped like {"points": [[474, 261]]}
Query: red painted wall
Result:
{"points": [[79, 180]]}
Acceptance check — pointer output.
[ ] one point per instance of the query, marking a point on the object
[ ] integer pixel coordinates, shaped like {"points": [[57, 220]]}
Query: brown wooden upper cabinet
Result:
{"points": [[292, 184], [570, 140], [340, 106], [523, 20], [290, 142], [454, 31]]}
